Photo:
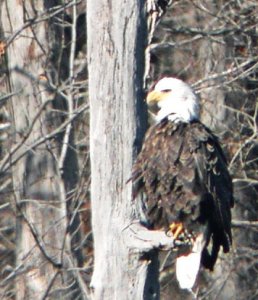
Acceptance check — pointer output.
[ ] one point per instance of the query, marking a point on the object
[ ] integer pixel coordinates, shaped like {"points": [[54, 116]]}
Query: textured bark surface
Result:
{"points": [[116, 66]]}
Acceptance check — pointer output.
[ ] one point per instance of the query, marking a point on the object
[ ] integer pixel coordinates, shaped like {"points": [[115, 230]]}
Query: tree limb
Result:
{"points": [[240, 223], [143, 240]]}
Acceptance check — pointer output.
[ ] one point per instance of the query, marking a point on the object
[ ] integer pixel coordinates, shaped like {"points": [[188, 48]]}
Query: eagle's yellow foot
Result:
{"points": [[176, 229]]}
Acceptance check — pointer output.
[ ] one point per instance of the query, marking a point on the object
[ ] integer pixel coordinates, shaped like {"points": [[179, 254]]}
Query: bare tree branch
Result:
{"points": [[239, 223]]}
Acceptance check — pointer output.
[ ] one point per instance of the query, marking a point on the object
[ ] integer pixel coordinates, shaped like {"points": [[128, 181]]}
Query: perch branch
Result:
{"points": [[144, 240]]}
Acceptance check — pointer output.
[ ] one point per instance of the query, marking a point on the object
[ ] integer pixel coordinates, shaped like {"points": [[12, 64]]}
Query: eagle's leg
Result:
{"points": [[176, 229]]}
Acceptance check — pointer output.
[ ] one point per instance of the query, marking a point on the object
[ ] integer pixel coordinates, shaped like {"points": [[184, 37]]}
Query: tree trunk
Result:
{"points": [[43, 253], [116, 41]]}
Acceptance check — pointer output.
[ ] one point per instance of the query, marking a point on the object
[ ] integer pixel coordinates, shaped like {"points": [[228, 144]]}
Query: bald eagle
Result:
{"points": [[181, 182]]}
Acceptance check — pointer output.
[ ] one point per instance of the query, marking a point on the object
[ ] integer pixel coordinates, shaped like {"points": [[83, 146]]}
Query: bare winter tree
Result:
{"points": [[124, 267], [116, 68]]}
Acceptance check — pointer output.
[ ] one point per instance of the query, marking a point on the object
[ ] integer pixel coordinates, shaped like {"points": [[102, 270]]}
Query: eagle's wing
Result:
{"points": [[211, 166]]}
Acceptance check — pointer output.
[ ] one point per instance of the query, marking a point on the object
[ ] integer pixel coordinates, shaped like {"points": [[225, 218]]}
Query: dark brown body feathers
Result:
{"points": [[181, 172]]}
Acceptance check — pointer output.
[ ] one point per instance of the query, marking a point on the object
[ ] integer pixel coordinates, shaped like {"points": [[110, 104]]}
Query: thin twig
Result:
{"points": [[45, 16], [50, 285], [238, 223], [229, 71], [70, 95], [7, 162], [37, 239]]}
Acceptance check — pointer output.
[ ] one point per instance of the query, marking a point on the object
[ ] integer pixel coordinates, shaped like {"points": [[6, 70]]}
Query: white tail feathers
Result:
{"points": [[187, 266]]}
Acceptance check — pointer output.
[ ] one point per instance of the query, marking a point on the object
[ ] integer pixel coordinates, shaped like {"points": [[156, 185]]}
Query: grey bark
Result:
{"points": [[117, 36]]}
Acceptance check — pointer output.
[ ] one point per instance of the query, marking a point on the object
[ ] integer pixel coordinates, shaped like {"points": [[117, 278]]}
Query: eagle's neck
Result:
{"points": [[177, 118], [179, 110]]}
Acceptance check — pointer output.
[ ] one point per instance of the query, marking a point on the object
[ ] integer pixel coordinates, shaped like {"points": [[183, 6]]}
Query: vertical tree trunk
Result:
{"points": [[116, 42], [43, 248]]}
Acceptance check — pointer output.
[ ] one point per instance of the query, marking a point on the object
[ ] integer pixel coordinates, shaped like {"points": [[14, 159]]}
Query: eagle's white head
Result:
{"points": [[174, 99]]}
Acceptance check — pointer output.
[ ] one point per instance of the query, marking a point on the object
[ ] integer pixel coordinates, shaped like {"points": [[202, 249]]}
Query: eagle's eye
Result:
{"points": [[166, 91]]}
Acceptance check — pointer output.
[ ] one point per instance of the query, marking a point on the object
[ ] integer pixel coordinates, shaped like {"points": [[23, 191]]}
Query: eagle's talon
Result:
{"points": [[177, 229]]}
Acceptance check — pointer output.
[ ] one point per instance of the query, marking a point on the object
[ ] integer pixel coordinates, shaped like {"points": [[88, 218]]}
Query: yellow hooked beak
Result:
{"points": [[154, 97]]}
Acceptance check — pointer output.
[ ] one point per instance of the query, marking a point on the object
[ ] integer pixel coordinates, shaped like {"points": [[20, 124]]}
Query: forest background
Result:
{"points": [[72, 118]]}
